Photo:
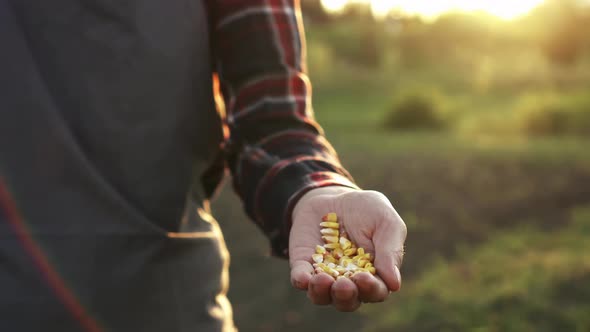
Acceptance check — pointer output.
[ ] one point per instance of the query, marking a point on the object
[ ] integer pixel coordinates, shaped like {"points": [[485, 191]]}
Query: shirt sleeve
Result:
{"points": [[276, 150]]}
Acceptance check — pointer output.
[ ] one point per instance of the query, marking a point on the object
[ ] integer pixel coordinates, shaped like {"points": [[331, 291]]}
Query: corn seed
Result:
{"points": [[329, 224], [327, 269], [330, 239], [330, 217], [329, 231], [334, 273], [352, 267], [330, 259], [340, 269], [338, 253], [350, 251], [344, 243], [344, 261], [318, 258], [332, 245], [362, 262], [319, 249]]}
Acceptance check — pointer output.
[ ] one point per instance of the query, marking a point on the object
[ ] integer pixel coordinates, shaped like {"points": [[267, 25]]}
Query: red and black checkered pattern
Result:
{"points": [[276, 150]]}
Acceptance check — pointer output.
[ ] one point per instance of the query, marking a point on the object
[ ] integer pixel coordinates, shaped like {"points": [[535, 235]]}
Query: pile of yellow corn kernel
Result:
{"points": [[339, 257]]}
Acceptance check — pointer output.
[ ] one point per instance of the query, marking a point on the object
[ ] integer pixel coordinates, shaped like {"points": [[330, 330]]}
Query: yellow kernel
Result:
{"points": [[326, 269], [345, 243], [344, 261], [368, 265], [350, 251], [352, 267], [329, 231], [371, 269], [332, 245], [329, 224], [334, 273], [337, 253], [360, 251], [330, 217], [330, 259], [362, 262], [318, 258], [340, 269], [330, 239], [319, 249]]}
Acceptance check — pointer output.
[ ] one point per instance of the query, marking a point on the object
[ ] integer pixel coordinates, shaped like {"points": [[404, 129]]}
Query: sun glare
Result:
{"points": [[334, 5], [506, 9]]}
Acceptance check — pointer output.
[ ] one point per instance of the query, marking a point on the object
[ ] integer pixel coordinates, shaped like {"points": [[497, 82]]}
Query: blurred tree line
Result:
{"points": [[555, 29]]}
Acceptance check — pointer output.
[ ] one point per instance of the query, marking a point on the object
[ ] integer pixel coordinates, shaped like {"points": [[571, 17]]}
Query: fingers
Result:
{"points": [[342, 294], [345, 295], [389, 250], [301, 273], [370, 288], [389, 271], [319, 291]]}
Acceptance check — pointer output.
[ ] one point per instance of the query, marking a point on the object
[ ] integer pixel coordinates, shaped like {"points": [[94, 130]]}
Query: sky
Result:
{"points": [[506, 9]]}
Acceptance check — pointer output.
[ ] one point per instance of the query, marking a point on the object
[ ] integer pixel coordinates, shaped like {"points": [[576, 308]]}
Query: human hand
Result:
{"points": [[371, 222]]}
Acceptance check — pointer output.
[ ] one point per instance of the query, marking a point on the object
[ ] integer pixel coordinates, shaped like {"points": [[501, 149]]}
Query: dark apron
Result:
{"points": [[106, 119]]}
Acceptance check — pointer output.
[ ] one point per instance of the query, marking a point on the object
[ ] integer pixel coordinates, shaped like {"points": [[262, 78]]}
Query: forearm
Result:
{"points": [[276, 151]]}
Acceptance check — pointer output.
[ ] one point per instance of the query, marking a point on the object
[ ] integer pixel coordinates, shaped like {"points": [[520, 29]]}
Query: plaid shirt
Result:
{"points": [[276, 151]]}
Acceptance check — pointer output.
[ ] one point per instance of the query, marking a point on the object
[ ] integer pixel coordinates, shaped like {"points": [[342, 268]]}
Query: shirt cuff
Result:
{"points": [[282, 188]]}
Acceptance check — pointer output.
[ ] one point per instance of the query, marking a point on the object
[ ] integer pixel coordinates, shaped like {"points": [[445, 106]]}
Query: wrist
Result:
{"points": [[328, 190]]}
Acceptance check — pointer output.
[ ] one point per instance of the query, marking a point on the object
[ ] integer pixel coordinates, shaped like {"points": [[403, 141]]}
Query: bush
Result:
{"points": [[416, 110], [555, 116]]}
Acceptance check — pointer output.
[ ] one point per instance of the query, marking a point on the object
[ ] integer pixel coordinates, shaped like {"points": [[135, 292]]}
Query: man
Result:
{"points": [[110, 148]]}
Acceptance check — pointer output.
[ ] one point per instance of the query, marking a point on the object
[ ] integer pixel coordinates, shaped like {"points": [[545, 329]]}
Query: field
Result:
{"points": [[490, 171]]}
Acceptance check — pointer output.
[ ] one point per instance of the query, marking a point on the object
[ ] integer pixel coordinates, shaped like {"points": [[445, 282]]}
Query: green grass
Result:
{"points": [[521, 280]]}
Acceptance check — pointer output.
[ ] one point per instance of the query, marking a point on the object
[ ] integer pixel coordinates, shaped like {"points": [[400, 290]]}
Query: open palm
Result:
{"points": [[371, 222]]}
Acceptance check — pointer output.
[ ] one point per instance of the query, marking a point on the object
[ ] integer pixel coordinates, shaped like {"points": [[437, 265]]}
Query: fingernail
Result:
{"points": [[398, 275]]}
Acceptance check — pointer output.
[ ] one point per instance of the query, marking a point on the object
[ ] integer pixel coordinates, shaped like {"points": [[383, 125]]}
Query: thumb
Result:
{"points": [[389, 241]]}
